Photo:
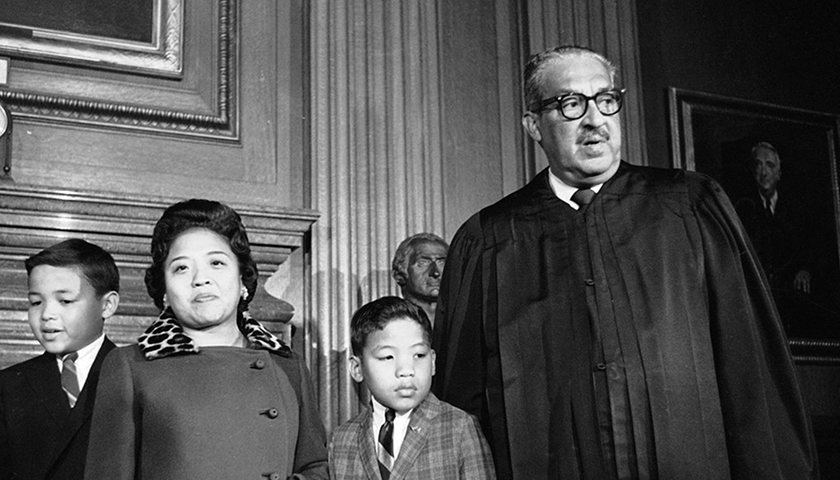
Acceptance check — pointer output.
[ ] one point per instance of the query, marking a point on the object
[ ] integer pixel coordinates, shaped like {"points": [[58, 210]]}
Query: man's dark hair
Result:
{"points": [[94, 264], [534, 67], [200, 214], [377, 314]]}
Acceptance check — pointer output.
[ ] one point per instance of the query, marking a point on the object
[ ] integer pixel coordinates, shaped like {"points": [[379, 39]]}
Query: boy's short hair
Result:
{"points": [[95, 264], [378, 313]]}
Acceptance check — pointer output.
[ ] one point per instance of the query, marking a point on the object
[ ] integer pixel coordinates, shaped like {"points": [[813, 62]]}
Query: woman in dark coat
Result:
{"points": [[208, 392]]}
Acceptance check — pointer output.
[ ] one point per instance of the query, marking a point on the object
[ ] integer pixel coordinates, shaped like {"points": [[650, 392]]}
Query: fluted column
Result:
{"points": [[375, 166]]}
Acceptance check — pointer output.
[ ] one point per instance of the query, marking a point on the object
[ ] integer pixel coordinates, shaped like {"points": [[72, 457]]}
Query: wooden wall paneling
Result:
{"points": [[375, 166], [223, 129], [34, 218]]}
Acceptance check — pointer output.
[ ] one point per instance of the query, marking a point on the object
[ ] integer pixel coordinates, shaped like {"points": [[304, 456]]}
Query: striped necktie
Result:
{"points": [[385, 452], [69, 380]]}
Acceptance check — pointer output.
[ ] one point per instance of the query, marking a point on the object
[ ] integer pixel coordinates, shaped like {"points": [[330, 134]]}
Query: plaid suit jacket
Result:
{"points": [[442, 442]]}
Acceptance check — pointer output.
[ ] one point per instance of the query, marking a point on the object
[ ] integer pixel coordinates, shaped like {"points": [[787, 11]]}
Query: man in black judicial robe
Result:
{"points": [[630, 335]]}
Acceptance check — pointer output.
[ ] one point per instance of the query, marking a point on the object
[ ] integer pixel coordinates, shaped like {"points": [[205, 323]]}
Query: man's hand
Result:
{"points": [[802, 281]]}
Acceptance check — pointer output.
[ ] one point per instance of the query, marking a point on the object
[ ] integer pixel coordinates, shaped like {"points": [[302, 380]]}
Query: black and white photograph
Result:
{"points": [[419, 239]]}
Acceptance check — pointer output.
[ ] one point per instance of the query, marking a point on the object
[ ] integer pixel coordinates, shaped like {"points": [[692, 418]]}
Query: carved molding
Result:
{"points": [[163, 55], [35, 218], [82, 107]]}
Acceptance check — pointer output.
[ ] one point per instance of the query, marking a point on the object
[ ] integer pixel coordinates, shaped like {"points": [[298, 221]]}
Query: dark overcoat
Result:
{"points": [[170, 410]]}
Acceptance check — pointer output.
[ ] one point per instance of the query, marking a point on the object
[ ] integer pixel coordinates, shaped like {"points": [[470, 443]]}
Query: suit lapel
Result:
{"points": [[415, 437], [45, 380], [81, 413], [84, 405], [368, 448]]}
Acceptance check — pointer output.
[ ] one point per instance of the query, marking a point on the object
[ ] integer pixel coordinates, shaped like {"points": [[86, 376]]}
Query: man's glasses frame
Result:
{"points": [[608, 103]]}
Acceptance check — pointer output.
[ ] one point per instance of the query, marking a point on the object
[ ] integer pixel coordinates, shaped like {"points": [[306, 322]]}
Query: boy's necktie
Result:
{"points": [[69, 381], [386, 445]]}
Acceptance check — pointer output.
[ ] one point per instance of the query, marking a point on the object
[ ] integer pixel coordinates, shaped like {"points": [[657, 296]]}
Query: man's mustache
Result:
{"points": [[594, 135]]}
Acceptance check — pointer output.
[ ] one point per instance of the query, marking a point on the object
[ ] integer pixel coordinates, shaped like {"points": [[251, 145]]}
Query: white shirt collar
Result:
{"points": [[565, 191], [84, 363], [773, 199], [401, 422]]}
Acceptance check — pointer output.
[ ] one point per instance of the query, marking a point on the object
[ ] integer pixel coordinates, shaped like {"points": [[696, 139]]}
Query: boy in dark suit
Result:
{"points": [[46, 402], [406, 433]]}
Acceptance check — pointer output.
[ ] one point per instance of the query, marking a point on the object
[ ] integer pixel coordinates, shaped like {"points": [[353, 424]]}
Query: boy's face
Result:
{"points": [[65, 313], [397, 365]]}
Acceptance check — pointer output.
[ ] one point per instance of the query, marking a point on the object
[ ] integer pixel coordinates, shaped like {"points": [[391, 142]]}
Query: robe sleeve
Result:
{"points": [[111, 449], [768, 432], [460, 371], [5, 447], [468, 369]]}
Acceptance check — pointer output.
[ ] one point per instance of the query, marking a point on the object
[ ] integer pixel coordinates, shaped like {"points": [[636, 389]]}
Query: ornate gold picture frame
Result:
{"points": [[140, 37], [715, 135]]}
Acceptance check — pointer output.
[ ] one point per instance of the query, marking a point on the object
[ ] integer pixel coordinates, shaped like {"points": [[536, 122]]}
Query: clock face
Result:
{"points": [[4, 120]]}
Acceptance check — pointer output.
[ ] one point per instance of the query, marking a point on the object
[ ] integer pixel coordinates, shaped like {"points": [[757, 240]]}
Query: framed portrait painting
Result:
{"points": [[142, 36], [779, 167]]}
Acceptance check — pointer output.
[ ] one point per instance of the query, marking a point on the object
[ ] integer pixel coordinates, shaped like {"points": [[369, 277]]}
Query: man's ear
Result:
{"points": [[110, 302], [356, 369], [529, 122], [434, 361]]}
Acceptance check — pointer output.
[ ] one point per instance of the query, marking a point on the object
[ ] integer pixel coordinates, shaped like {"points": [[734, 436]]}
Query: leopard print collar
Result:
{"points": [[165, 337]]}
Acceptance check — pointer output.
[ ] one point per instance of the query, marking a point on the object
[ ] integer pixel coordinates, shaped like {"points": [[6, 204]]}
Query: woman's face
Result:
{"points": [[203, 283]]}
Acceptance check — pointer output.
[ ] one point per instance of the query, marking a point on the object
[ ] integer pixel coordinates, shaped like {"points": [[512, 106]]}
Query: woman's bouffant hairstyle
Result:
{"points": [[210, 215]]}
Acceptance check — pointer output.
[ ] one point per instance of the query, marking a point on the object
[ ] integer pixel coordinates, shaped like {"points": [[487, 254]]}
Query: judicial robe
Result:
{"points": [[634, 338]]}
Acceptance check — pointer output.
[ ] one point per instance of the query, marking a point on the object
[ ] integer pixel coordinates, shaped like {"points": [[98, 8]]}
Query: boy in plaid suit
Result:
{"points": [[406, 432]]}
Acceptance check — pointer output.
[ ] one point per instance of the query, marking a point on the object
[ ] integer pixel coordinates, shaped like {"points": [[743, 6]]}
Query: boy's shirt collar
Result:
{"points": [[401, 422], [84, 363]]}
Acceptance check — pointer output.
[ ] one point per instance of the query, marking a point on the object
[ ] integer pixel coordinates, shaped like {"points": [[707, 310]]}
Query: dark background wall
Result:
{"points": [[765, 51], [771, 51]]}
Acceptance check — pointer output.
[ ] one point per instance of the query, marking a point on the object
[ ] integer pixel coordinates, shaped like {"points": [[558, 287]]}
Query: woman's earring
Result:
{"points": [[243, 292], [165, 302]]}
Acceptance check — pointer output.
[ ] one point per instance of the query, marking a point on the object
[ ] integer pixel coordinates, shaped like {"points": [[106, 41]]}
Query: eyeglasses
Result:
{"points": [[574, 105]]}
